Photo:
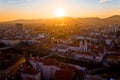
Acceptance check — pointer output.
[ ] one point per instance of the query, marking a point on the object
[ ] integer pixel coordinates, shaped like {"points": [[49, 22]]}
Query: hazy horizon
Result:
{"points": [[56, 18]]}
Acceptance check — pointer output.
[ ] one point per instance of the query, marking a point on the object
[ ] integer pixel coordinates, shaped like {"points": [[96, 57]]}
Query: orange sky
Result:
{"points": [[36, 9]]}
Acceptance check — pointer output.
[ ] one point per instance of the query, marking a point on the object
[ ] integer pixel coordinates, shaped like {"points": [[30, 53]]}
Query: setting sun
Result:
{"points": [[60, 12]]}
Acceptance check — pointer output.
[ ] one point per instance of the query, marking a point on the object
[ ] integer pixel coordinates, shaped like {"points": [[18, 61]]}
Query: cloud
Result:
{"points": [[101, 1], [11, 1], [18, 1]]}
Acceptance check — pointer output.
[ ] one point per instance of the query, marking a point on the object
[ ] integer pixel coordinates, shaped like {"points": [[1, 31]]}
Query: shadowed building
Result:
{"points": [[9, 63]]}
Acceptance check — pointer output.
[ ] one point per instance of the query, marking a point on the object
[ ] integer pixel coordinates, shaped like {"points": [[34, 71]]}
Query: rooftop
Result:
{"points": [[75, 43], [8, 59], [30, 70]]}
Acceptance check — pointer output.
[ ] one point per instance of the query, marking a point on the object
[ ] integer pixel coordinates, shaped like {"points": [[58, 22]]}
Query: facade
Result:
{"points": [[30, 74], [52, 69]]}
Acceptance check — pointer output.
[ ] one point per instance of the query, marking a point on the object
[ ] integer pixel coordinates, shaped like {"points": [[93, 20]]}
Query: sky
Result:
{"points": [[36, 9]]}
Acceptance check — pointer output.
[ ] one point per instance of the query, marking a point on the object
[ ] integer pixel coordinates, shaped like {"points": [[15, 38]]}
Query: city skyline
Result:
{"points": [[59, 39], [36, 9]]}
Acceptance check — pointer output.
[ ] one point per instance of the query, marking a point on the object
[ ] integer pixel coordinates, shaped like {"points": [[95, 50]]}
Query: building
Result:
{"points": [[113, 58], [47, 67], [30, 73], [55, 70], [9, 63]]}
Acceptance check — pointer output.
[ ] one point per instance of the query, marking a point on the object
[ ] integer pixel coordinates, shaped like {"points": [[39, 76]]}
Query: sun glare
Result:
{"points": [[60, 12]]}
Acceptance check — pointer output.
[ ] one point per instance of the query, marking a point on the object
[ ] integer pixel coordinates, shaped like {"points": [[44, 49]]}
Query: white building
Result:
{"points": [[30, 73], [46, 67], [10, 42]]}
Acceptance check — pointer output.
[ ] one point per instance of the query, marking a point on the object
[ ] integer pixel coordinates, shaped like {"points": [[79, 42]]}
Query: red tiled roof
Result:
{"points": [[29, 79], [111, 49], [62, 47], [30, 71], [85, 53], [113, 56], [68, 67], [75, 44], [63, 75], [51, 62]]}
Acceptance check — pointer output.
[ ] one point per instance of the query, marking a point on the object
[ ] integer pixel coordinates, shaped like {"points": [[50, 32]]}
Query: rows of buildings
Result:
{"points": [[50, 69], [97, 45]]}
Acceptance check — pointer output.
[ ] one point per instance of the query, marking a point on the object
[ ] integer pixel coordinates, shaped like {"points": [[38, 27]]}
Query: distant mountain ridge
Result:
{"points": [[115, 19], [114, 16]]}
